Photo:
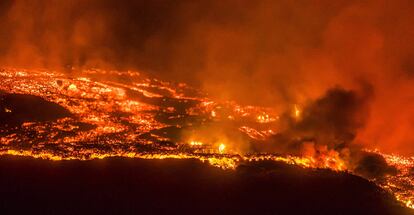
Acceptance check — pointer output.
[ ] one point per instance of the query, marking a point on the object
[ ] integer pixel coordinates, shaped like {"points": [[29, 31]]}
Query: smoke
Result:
{"points": [[272, 53], [334, 119], [373, 166], [329, 123]]}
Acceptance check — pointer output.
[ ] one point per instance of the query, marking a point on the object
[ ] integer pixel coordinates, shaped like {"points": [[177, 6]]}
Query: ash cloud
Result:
{"points": [[272, 53]]}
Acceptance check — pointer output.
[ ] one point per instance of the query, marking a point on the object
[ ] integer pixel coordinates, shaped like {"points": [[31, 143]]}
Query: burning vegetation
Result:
{"points": [[56, 116]]}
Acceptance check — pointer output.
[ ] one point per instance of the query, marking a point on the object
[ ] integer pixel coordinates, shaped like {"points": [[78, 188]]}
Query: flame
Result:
{"points": [[296, 111], [221, 148], [196, 143], [72, 87], [213, 113]]}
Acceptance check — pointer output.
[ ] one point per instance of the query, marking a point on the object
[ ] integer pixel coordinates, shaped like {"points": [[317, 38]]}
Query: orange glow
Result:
{"points": [[252, 70], [196, 143], [117, 122], [296, 112], [221, 148]]}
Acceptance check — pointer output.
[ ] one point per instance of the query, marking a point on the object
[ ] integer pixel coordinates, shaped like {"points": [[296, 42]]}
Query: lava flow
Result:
{"points": [[127, 114]]}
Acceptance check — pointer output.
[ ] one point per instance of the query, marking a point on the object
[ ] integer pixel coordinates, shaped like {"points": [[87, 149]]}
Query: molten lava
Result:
{"points": [[129, 115]]}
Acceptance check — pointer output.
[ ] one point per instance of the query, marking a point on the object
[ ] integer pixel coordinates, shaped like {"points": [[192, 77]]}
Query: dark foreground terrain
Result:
{"points": [[134, 186]]}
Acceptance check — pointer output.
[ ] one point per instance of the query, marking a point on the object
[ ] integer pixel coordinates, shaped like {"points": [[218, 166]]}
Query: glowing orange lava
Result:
{"points": [[140, 117]]}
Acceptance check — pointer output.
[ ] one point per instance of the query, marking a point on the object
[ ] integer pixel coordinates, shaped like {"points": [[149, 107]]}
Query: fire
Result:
{"points": [[140, 118], [196, 143], [221, 148], [72, 87], [402, 184], [213, 113], [296, 111]]}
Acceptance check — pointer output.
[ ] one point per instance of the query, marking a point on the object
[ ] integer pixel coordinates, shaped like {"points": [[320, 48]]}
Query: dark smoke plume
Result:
{"points": [[330, 122]]}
